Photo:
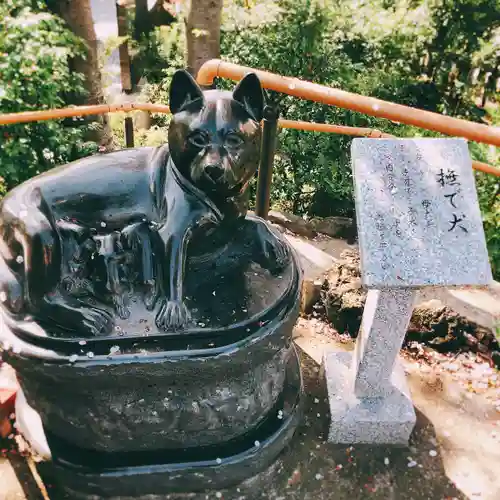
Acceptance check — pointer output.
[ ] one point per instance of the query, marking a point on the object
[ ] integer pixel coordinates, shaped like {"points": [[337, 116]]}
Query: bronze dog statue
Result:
{"points": [[97, 226]]}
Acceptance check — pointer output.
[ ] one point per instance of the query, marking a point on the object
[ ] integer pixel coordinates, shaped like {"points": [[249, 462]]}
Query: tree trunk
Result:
{"points": [[78, 16], [203, 22], [125, 72], [142, 21]]}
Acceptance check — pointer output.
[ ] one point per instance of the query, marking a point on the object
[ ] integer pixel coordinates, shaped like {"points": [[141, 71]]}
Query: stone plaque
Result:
{"points": [[418, 215]]}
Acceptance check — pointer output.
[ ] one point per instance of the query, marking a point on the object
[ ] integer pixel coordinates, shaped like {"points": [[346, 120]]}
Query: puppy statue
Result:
{"points": [[75, 239]]}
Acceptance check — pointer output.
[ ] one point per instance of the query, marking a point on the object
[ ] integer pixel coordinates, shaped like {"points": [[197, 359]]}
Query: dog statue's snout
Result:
{"points": [[215, 172]]}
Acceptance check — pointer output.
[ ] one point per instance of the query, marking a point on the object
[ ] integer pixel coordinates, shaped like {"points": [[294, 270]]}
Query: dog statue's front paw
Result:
{"points": [[97, 321], [173, 316]]}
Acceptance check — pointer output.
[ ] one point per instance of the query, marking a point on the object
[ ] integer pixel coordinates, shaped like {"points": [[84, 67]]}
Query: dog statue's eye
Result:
{"points": [[198, 139], [233, 140]]}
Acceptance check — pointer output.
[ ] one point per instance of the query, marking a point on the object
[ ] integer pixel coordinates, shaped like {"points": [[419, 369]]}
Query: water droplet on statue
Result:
{"points": [[103, 224], [73, 358], [82, 342], [19, 259], [114, 349], [90, 354], [257, 443], [219, 461]]}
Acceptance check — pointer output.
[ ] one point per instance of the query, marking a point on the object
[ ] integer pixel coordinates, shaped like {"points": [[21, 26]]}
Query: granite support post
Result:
{"points": [[369, 398]]}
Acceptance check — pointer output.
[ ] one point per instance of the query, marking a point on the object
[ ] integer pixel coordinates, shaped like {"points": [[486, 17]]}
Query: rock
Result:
{"points": [[292, 222], [336, 227], [432, 323], [441, 328], [495, 356], [342, 294], [311, 293], [470, 340]]}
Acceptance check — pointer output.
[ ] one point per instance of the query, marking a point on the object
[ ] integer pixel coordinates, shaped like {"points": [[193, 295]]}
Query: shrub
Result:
{"points": [[488, 192], [35, 49], [312, 172]]}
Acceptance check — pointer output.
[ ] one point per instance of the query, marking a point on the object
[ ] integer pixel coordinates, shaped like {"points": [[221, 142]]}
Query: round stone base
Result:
{"points": [[91, 474]]}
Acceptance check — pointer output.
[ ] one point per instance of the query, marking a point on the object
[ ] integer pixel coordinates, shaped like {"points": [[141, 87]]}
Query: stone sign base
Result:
{"points": [[366, 420]]}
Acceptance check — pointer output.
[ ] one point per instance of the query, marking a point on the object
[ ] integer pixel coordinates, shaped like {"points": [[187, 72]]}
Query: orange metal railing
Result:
{"points": [[51, 114], [355, 102], [367, 132]]}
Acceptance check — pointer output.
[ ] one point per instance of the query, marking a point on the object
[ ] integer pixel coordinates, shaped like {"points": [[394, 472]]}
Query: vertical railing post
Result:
{"points": [[269, 138], [129, 132]]}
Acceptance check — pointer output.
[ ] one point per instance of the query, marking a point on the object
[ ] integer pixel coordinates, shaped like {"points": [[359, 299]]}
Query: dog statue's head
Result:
{"points": [[214, 136]]}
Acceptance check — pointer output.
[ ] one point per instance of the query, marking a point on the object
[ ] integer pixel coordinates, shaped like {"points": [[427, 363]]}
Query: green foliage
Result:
{"points": [[155, 136], [312, 172], [159, 54], [414, 52], [35, 50], [488, 192]]}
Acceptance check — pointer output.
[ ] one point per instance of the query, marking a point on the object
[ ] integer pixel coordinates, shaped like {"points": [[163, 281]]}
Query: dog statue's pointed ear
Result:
{"points": [[183, 90], [249, 93]]}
